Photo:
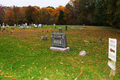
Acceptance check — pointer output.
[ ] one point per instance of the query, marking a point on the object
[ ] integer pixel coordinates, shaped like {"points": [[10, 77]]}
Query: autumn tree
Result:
{"points": [[36, 15], [1, 14], [29, 14], [21, 15], [56, 13], [9, 16], [69, 14], [112, 9], [50, 15], [16, 15]]}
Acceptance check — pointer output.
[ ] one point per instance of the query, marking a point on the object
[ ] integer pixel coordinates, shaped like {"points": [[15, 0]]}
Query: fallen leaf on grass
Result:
{"points": [[44, 67], [68, 75], [40, 72], [2, 73], [75, 78], [13, 78], [23, 65], [45, 79], [61, 62], [40, 78]]}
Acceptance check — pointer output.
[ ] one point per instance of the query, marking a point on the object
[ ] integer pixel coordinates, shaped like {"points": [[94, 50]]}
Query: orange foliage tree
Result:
{"points": [[56, 13], [9, 17]]}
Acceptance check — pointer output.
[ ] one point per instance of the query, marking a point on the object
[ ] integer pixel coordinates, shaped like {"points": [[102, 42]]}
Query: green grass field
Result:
{"points": [[26, 57]]}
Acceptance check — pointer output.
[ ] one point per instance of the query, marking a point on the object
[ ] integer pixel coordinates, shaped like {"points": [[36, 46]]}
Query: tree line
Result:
{"points": [[89, 12]]}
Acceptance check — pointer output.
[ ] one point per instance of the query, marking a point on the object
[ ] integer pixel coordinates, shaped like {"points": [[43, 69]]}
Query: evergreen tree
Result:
{"points": [[61, 18], [99, 15]]}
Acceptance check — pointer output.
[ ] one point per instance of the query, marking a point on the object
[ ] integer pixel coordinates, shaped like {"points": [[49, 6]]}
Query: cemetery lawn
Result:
{"points": [[25, 56]]}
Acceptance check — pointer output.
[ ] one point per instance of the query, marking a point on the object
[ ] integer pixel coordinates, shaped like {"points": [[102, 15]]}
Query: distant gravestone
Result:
{"points": [[37, 35], [72, 27], [60, 30], [7, 26], [83, 26], [100, 40], [55, 27], [65, 28], [53, 24], [44, 37], [22, 26], [36, 26], [25, 24], [81, 29], [11, 32], [3, 25], [41, 26], [14, 25]]}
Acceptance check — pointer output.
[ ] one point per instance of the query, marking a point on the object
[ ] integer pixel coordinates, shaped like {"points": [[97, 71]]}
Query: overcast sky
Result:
{"points": [[40, 3]]}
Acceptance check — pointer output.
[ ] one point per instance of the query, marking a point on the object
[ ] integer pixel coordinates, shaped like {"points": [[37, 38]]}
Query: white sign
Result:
{"points": [[112, 49]]}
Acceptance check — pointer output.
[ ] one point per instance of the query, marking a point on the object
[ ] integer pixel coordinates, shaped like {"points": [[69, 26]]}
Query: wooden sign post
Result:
{"points": [[112, 55]]}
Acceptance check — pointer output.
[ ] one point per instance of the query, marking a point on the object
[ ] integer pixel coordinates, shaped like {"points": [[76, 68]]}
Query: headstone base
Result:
{"points": [[60, 49]]}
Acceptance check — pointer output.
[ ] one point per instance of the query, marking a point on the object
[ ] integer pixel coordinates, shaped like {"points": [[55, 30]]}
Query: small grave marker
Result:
{"points": [[81, 29], [37, 35], [22, 26], [11, 32], [60, 30], [83, 26], [3, 25], [65, 28], [44, 37], [14, 25], [100, 40]]}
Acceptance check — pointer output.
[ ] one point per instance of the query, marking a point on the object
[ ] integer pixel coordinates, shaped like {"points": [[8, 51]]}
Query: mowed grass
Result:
{"points": [[26, 57]]}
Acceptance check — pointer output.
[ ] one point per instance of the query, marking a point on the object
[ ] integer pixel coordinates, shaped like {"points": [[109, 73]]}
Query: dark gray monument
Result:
{"points": [[23, 26], [41, 25], [60, 30], [65, 28], [59, 42], [100, 40]]}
